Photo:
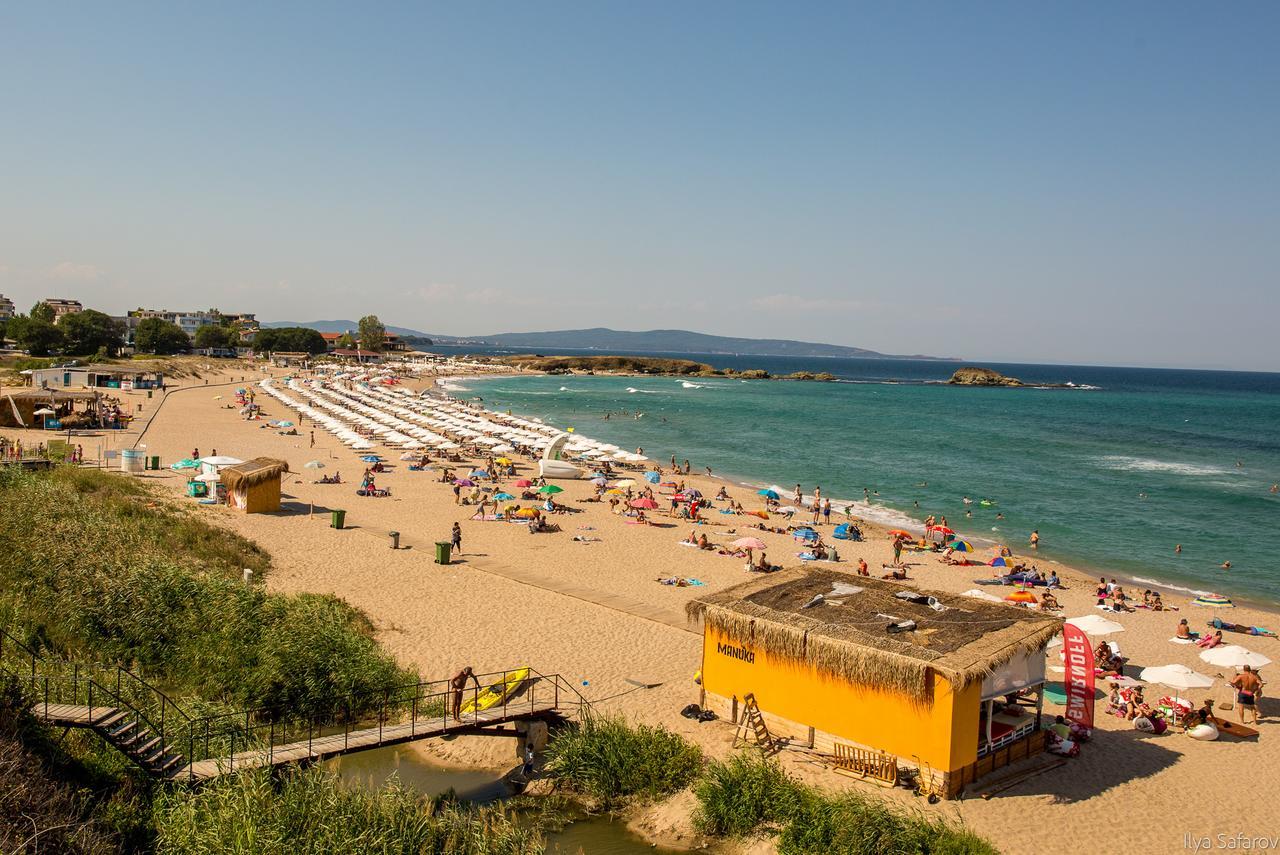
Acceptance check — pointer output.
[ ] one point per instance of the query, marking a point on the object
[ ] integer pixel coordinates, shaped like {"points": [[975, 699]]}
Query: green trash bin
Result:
{"points": [[443, 551], [337, 519], [155, 462]]}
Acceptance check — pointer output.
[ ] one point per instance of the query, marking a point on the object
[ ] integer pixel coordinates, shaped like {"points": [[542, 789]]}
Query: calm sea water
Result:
{"points": [[1113, 475]]}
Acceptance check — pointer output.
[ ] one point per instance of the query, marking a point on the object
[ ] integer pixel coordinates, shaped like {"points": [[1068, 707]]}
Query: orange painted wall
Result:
{"points": [[943, 733]]}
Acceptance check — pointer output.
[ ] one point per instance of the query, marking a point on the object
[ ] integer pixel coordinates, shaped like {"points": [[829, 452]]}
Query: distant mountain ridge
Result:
{"points": [[672, 341], [648, 341]]}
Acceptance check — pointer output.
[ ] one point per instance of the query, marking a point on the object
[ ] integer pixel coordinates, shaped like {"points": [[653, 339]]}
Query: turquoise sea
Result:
{"points": [[1113, 473]]}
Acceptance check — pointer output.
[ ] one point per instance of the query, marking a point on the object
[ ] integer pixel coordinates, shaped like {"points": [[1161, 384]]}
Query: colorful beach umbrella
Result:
{"points": [[464, 482], [503, 496], [524, 482], [768, 494], [646, 504], [600, 482], [748, 543], [550, 489], [371, 458], [999, 561], [186, 463], [942, 529], [479, 473], [897, 532], [961, 545], [652, 477], [693, 494], [1214, 600], [1021, 596]]}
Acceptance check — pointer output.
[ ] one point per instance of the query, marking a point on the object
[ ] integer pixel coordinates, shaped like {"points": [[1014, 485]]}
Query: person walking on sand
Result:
{"points": [[313, 439], [1248, 686], [458, 684], [455, 539]]}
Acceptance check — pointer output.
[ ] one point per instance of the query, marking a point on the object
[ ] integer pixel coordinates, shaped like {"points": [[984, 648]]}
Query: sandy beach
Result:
{"points": [[594, 613]]}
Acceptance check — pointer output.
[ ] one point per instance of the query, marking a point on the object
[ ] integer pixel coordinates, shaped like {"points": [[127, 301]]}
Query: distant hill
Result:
{"points": [[343, 326], [670, 341], [603, 339]]}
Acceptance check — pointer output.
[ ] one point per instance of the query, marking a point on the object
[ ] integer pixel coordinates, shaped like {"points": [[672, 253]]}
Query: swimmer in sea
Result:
{"points": [[1275, 488], [1177, 549], [999, 516], [1226, 565], [967, 500], [923, 484]]}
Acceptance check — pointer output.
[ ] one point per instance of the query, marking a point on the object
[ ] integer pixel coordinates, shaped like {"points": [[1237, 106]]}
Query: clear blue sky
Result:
{"points": [[1002, 181]]}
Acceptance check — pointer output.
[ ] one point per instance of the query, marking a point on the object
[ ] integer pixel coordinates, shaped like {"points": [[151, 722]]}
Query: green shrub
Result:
{"points": [[750, 793], [97, 567], [740, 796], [608, 759], [309, 813]]}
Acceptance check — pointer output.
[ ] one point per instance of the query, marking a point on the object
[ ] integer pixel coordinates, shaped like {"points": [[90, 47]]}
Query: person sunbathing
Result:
{"points": [[692, 539], [703, 543], [1184, 631], [1116, 704], [898, 573], [1210, 640], [1048, 602], [1118, 603]]}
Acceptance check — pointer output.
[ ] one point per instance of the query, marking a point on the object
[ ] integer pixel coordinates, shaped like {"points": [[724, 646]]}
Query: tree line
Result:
{"points": [[94, 333]]}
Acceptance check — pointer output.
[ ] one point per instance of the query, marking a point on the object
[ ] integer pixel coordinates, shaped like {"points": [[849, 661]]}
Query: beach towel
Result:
{"points": [[1176, 640]]}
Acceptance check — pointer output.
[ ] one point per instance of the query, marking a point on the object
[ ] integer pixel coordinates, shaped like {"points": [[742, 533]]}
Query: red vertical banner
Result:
{"points": [[1078, 655]]}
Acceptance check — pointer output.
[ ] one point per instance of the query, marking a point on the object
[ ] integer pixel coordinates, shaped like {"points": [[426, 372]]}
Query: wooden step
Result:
{"points": [[145, 747], [109, 719]]}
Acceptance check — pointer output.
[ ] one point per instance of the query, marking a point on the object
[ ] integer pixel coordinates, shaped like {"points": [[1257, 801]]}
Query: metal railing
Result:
{"points": [[97, 687], [255, 736], [374, 718]]}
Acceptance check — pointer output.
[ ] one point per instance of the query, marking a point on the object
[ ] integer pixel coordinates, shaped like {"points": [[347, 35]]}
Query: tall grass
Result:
{"points": [[740, 796], [309, 813], [609, 760], [98, 567], [750, 793]]}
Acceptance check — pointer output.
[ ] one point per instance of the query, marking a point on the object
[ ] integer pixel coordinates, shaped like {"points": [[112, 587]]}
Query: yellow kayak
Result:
{"points": [[498, 692]]}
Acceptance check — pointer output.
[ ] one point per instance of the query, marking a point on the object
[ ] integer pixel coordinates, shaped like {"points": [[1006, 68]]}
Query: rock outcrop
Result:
{"points": [[971, 376]]}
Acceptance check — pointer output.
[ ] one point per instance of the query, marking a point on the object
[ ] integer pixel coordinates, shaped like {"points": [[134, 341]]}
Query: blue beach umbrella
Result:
{"points": [[961, 545], [600, 481], [768, 494], [653, 477], [998, 561], [186, 463], [371, 458], [805, 534], [282, 423], [503, 496], [479, 473], [841, 531]]}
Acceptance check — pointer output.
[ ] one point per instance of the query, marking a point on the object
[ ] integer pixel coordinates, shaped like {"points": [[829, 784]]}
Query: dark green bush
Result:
{"points": [[608, 759], [740, 796]]}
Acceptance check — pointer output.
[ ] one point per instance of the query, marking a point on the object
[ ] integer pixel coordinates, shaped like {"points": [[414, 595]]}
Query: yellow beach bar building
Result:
{"points": [[951, 684]]}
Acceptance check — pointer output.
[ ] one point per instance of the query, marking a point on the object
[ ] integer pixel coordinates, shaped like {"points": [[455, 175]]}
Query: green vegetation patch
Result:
{"points": [[609, 760], [96, 567]]}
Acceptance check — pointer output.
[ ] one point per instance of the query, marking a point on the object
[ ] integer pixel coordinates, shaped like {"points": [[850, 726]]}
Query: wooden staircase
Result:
{"points": [[125, 728]]}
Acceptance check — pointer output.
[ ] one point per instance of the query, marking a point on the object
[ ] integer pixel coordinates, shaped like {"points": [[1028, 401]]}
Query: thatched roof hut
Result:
{"points": [[847, 635], [254, 486]]}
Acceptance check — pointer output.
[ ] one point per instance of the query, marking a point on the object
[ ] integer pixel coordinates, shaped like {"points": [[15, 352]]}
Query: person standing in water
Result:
{"points": [[1035, 539]]}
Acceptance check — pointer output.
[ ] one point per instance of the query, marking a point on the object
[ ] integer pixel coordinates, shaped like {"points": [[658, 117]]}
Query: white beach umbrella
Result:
{"points": [[1234, 656], [1175, 677], [313, 464], [983, 595], [1095, 625]]}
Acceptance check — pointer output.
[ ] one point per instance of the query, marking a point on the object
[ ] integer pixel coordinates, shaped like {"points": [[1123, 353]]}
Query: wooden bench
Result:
{"points": [[866, 765]]}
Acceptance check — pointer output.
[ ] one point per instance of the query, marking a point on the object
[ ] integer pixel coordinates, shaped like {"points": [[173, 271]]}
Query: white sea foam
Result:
{"points": [[1143, 581], [452, 387], [687, 385], [633, 390], [1124, 463]]}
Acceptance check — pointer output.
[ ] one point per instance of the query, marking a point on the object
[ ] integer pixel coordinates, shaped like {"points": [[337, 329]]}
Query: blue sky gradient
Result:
{"points": [[1007, 181]]}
